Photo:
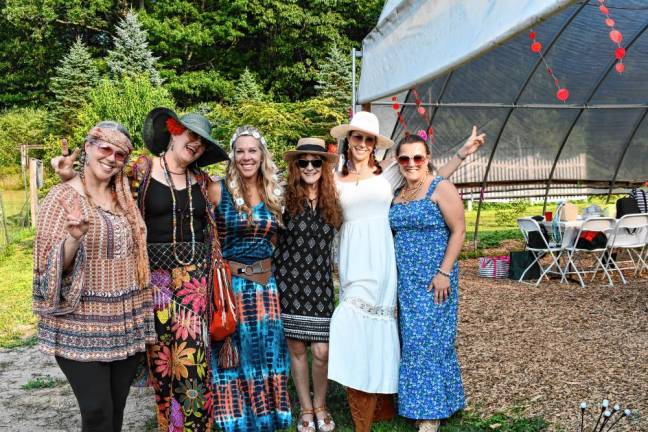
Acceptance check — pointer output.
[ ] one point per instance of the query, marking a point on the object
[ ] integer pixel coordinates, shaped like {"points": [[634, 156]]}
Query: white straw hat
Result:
{"points": [[366, 122]]}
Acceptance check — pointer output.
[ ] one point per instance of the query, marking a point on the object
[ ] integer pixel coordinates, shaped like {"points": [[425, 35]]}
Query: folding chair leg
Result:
{"points": [[599, 258], [570, 256], [537, 257]]}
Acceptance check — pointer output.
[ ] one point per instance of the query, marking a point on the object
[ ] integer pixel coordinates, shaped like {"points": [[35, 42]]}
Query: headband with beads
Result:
{"points": [[248, 131]]}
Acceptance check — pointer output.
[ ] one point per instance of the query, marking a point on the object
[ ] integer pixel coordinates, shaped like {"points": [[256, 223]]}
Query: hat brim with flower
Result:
{"points": [[161, 123]]}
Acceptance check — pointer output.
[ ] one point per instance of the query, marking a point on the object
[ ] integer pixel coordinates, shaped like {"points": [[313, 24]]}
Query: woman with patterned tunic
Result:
{"points": [[91, 277], [427, 218], [254, 395], [171, 192], [302, 262]]}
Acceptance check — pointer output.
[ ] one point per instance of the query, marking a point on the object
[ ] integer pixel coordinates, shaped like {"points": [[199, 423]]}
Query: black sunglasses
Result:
{"points": [[303, 163]]}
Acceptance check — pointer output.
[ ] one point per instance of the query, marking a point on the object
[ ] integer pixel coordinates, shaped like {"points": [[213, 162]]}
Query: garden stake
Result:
{"points": [[607, 415], [583, 407], [604, 406], [626, 413]]}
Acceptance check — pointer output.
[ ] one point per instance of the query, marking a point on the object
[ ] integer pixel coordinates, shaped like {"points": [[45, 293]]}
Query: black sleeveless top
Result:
{"points": [[159, 213]]}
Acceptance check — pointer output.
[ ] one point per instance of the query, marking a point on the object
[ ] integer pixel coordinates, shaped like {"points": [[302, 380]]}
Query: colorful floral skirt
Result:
{"points": [[254, 396], [178, 361]]}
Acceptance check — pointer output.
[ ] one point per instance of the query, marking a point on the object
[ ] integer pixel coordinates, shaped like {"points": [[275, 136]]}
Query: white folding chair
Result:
{"points": [[573, 251], [540, 250], [630, 235]]}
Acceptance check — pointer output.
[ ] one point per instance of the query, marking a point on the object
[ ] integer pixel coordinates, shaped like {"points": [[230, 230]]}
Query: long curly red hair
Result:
{"points": [[328, 202]]}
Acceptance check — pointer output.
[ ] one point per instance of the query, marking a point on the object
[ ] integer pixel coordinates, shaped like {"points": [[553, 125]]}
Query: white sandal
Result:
{"points": [[306, 425], [429, 425], [325, 424]]}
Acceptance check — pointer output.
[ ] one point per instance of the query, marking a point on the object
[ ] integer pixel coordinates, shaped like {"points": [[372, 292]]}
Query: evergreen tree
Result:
{"points": [[248, 89], [74, 78], [131, 56], [334, 78]]}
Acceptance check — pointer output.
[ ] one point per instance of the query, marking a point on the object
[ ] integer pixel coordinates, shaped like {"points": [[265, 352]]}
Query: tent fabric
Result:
{"points": [[417, 40], [596, 142]]}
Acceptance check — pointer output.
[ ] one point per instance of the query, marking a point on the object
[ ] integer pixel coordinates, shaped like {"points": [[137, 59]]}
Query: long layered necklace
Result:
{"points": [[408, 193], [169, 181]]}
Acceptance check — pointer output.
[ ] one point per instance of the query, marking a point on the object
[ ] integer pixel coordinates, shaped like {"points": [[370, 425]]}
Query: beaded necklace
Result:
{"points": [[407, 194], [167, 177]]}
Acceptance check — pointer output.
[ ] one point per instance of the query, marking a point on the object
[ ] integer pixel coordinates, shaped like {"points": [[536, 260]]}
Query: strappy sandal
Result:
{"points": [[429, 426], [325, 424], [306, 425]]}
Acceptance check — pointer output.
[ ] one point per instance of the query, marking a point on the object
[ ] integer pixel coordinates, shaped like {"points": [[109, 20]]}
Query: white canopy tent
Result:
{"points": [[470, 62]]}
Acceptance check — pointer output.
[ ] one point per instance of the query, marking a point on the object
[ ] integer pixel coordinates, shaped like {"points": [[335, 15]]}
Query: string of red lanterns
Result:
{"points": [[615, 36], [562, 94]]}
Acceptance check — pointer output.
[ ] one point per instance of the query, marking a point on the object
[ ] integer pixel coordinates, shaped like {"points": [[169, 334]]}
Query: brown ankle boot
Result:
{"points": [[362, 407]]}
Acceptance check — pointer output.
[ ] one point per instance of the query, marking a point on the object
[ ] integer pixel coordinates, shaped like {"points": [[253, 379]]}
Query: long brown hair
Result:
{"points": [[328, 202]]}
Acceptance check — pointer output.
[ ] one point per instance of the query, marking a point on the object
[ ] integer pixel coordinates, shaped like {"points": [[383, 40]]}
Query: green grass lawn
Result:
{"points": [[17, 324]]}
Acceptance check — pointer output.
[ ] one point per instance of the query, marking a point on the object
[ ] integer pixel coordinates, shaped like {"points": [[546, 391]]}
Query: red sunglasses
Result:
{"points": [[405, 160], [105, 151]]}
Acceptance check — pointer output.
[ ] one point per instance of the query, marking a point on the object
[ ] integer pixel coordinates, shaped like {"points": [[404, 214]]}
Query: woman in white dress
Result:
{"points": [[364, 350]]}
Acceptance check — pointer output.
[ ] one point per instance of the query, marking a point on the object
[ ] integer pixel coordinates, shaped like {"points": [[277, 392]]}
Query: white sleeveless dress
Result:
{"points": [[364, 351]]}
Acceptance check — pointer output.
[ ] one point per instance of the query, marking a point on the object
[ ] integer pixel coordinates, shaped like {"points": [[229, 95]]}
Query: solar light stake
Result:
{"points": [[583, 407], [626, 413], [606, 416], [604, 406]]}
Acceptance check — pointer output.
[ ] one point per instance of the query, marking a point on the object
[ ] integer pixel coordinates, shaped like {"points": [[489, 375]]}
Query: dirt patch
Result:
{"points": [[52, 409], [551, 347]]}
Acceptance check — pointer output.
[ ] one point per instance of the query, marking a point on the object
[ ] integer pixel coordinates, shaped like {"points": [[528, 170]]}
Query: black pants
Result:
{"points": [[101, 389]]}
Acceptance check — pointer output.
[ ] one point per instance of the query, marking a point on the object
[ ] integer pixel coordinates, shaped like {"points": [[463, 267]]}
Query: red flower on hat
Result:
{"points": [[174, 126]]}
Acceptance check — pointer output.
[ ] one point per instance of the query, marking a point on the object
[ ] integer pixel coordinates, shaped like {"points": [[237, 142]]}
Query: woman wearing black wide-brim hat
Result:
{"points": [[172, 195], [173, 198]]}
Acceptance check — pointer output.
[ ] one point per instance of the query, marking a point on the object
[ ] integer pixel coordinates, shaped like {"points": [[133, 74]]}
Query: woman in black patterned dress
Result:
{"points": [[302, 262]]}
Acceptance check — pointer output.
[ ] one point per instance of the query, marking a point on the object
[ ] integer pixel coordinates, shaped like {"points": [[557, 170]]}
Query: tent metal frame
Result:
{"points": [[510, 112], [600, 81]]}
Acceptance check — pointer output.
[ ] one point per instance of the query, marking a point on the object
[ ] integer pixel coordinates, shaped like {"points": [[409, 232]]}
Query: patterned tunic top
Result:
{"points": [[302, 267], [96, 311]]}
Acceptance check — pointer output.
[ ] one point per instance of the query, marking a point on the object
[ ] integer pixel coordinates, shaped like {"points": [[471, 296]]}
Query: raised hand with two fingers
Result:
{"points": [[64, 165], [472, 144]]}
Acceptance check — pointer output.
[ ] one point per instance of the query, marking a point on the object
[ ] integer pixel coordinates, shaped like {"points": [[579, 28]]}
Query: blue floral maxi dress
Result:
{"points": [[429, 385], [253, 396]]}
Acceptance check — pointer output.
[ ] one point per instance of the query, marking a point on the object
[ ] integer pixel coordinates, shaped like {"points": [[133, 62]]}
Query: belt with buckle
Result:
{"points": [[258, 272]]}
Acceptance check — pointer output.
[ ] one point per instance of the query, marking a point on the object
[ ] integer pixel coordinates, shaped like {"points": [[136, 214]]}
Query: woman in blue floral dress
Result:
{"points": [[428, 221]]}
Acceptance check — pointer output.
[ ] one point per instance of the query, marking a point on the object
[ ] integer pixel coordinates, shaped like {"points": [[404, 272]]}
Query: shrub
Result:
{"points": [[20, 126]]}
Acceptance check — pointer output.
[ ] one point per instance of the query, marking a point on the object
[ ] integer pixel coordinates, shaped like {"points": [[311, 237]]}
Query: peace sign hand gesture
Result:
{"points": [[472, 144], [64, 165], [76, 223]]}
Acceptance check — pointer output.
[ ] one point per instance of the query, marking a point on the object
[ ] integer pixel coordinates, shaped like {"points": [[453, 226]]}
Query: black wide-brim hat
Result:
{"points": [[157, 136]]}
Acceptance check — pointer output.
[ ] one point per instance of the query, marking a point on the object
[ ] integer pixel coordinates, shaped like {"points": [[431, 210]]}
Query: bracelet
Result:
{"points": [[441, 272], [463, 158]]}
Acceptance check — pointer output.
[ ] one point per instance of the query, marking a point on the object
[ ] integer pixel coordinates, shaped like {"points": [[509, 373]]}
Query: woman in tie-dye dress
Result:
{"points": [[252, 396]]}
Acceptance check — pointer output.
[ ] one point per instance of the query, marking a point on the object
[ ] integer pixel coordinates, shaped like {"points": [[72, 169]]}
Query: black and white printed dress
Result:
{"points": [[302, 268]]}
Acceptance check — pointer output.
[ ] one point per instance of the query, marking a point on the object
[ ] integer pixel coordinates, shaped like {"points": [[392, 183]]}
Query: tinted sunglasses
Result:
{"points": [[358, 138], [105, 150], [303, 163], [405, 160]]}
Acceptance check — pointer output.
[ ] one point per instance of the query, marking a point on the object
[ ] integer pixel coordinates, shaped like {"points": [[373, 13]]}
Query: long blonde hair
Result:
{"points": [[267, 177]]}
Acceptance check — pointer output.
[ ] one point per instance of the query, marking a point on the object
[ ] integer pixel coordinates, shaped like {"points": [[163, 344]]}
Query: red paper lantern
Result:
{"points": [[331, 148], [604, 10], [619, 67], [562, 94], [532, 35], [616, 36], [421, 110], [396, 106], [619, 53], [394, 98], [609, 22], [536, 47]]}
